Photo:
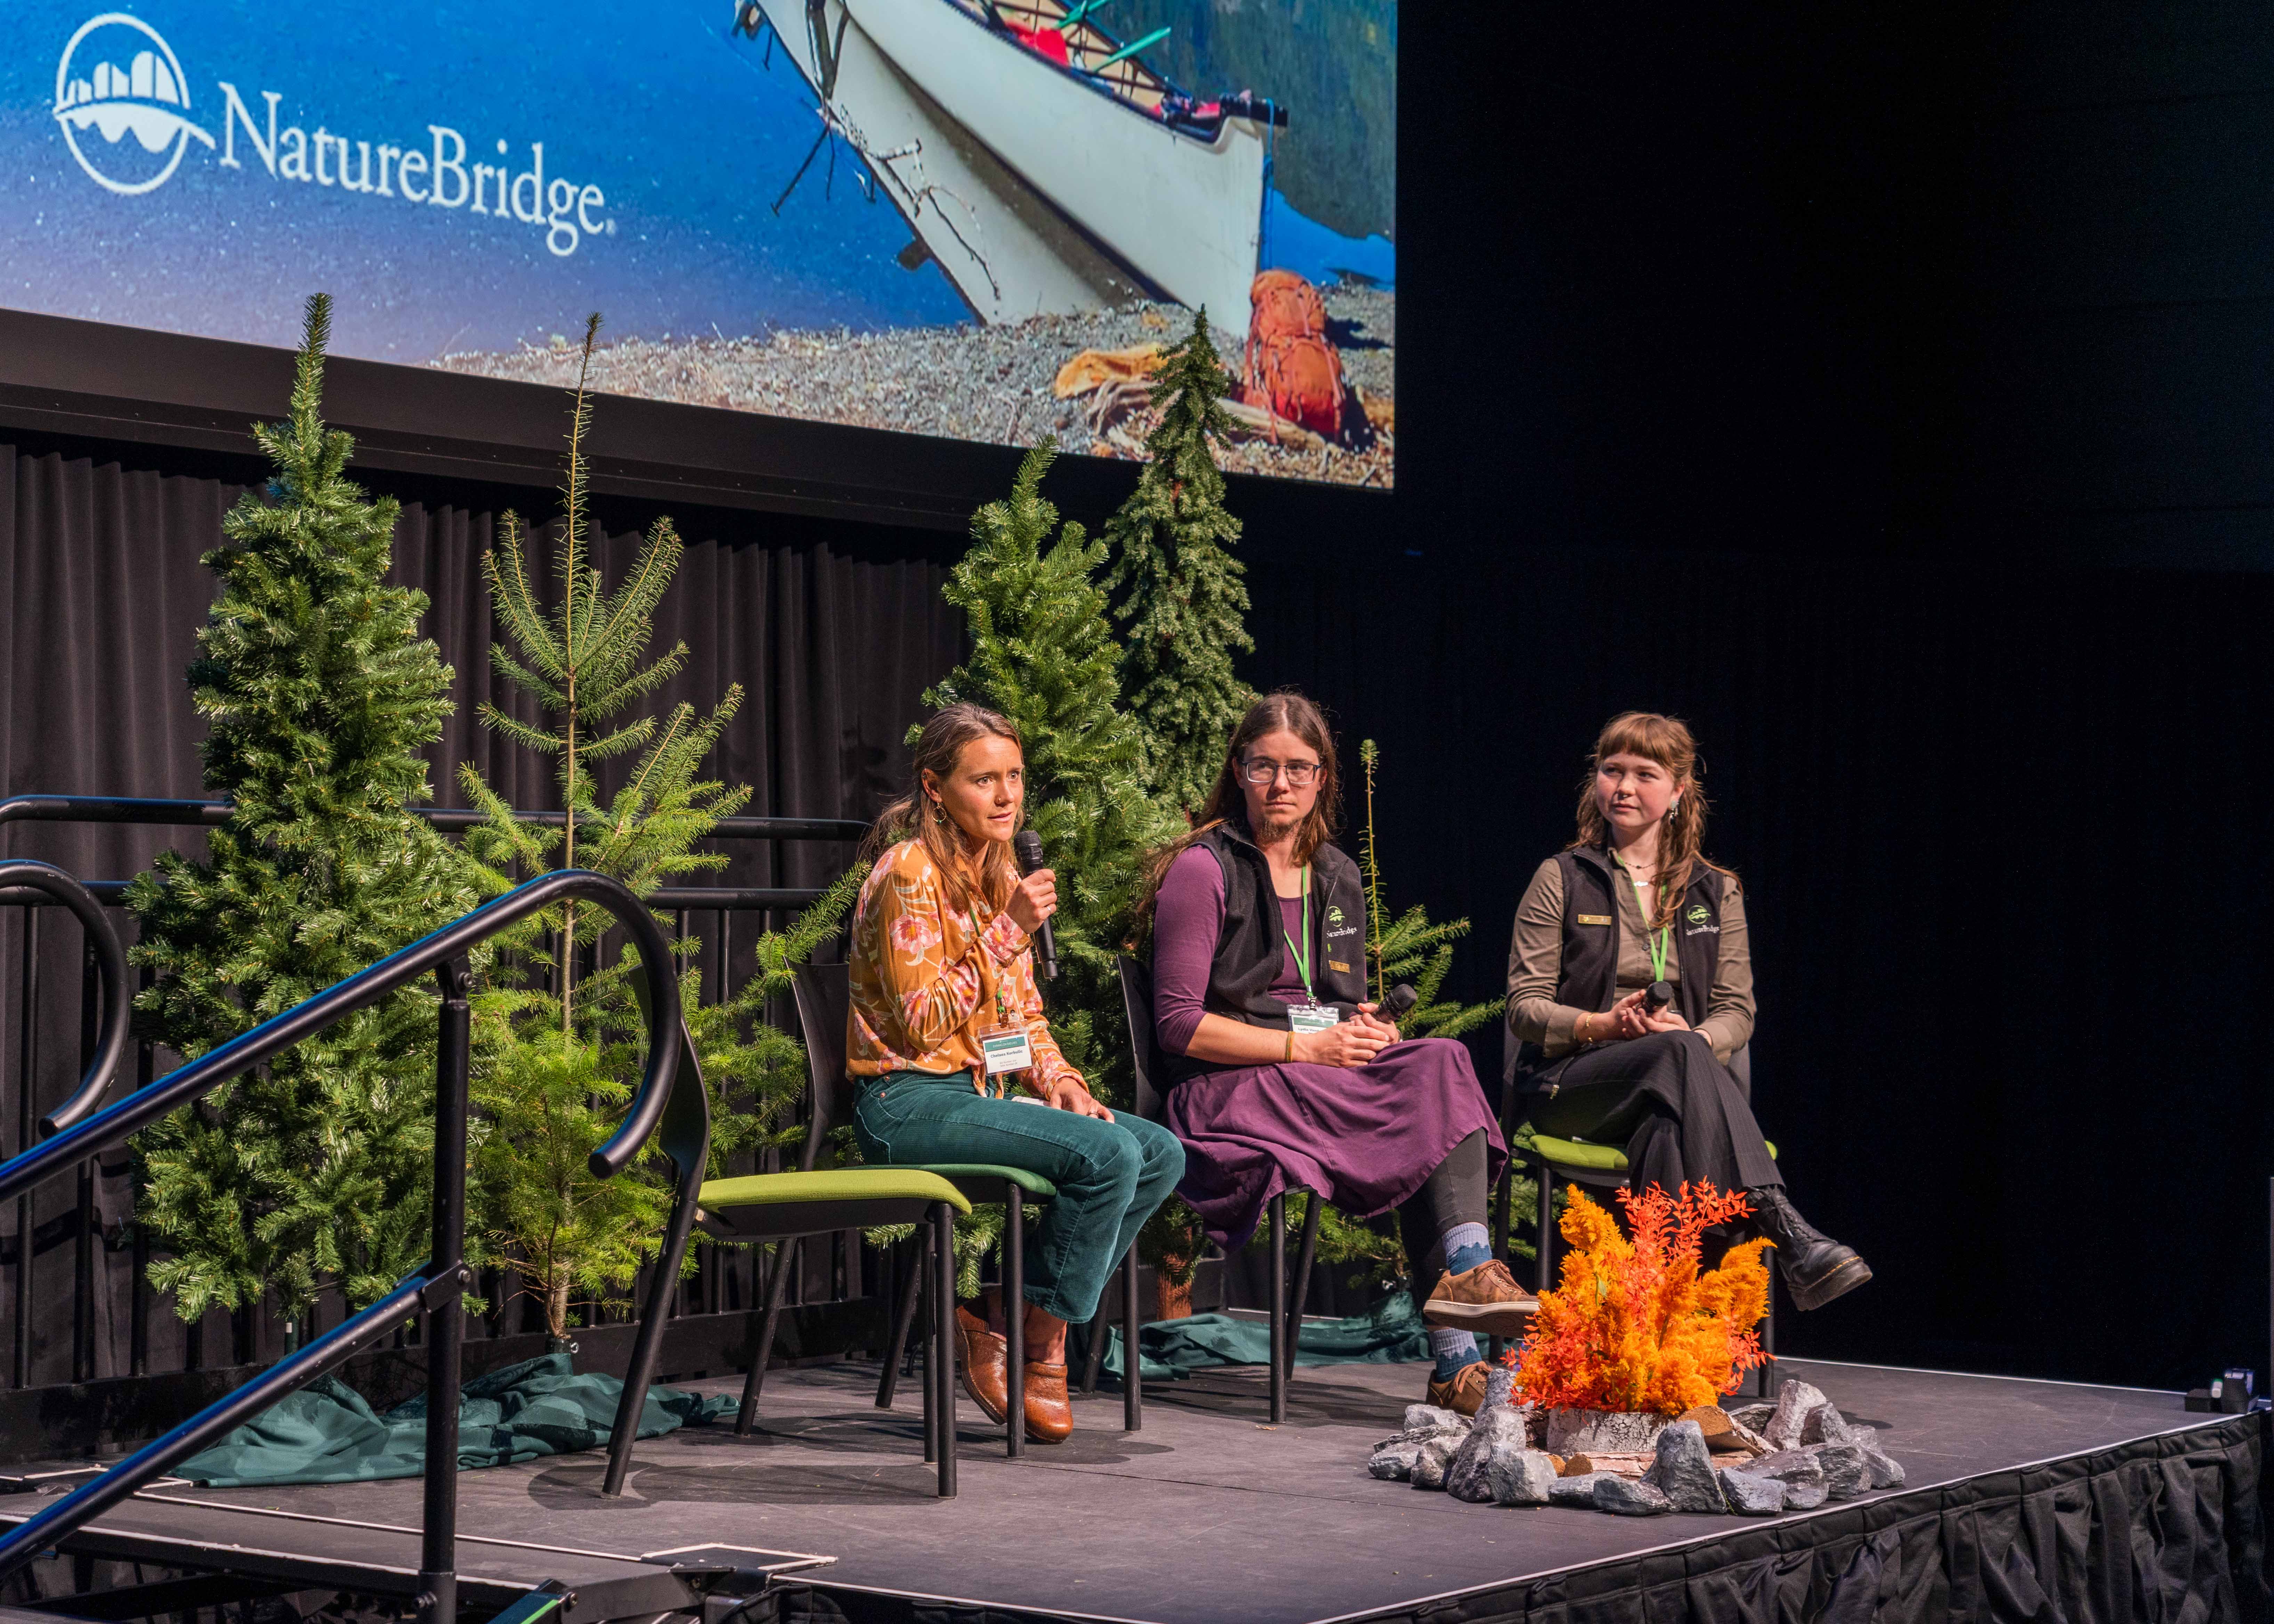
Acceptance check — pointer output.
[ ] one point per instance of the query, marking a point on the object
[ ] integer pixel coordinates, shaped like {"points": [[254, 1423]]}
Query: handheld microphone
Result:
{"points": [[1027, 847], [1395, 1002], [1661, 995]]}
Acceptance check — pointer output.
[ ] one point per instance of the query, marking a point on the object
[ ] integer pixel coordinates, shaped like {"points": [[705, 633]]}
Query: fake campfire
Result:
{"points": [[1611, 1402]]}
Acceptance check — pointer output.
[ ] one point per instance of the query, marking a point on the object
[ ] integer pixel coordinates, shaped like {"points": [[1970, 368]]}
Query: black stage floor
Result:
{"points": [[1206, 1517]]}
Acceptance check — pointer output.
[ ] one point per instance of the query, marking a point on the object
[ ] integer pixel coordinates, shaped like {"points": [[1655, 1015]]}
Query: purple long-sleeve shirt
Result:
{"points": [[1364, 1138], [1187, 919]]}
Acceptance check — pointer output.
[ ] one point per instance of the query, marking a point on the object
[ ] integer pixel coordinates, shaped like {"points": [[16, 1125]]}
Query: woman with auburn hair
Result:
{"points": [[1282, 1076], [947, 1037], [1631, 906]]}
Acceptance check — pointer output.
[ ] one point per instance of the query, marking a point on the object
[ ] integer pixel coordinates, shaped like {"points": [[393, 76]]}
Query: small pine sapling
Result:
{"points": [[1410, 948], [563, 1021]]}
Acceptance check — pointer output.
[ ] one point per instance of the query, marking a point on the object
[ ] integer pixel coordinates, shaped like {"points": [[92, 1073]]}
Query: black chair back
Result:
{"points": [[1137, 1005], [825, 1000]]}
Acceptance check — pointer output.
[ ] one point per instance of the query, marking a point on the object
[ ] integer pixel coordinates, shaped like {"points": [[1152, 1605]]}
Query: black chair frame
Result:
{"points": [[823, 995], [1152, 1105]]}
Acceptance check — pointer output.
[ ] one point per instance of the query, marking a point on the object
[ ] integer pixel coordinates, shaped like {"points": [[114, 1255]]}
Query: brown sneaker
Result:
{"points": [[985, 1375], [1050, 1417], [1465, 1392], [1485, 1300]]}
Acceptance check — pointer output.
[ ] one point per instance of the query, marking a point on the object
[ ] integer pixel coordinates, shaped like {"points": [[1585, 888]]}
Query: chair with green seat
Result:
{"points": [[783, 1208], [1602, 1169], [823, 993]]}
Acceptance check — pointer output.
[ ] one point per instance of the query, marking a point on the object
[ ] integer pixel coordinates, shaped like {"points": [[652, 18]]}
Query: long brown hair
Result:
{"points": [[915, 815], [1665, 739], [1227, 801]]}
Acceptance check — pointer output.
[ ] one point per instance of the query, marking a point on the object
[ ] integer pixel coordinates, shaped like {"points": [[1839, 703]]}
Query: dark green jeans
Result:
{"points": [[1110, 1175]]}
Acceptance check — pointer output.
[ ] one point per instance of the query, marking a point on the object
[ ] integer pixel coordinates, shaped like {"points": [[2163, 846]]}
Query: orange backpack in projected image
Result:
{"points": [[1291, 367]]}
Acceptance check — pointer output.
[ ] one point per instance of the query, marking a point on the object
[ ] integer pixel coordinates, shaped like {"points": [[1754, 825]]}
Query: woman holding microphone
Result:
{"points": [[1631, 906], [956, 1064]]}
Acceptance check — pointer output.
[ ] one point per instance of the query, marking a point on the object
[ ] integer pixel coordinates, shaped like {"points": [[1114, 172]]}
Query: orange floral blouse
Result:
{"points": [[927, 979]]}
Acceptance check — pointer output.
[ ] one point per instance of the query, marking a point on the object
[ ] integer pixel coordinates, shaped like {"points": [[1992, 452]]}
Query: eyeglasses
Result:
{"points": [[1258, 771]]}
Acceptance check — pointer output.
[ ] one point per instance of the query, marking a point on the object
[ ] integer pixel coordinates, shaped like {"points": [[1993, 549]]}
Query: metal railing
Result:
{"points": [[718, 1287], [436, 1289]]}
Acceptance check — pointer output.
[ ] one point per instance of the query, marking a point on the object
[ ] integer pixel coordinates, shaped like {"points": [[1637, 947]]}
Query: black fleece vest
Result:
{"points": [[1591, 926], [1250, 951]]}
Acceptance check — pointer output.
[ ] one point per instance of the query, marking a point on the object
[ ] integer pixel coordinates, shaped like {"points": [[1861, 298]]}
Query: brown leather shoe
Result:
{"points": [[1486, 1300], [1049, 1415], [985, 1375], [1465, 1392]]}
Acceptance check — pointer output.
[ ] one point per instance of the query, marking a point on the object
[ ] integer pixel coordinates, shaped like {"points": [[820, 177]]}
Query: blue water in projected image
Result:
{"points": [[684, 141]]}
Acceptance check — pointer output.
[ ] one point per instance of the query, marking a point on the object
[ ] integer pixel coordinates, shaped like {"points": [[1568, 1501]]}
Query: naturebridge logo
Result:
{"points": [[117, 78]]}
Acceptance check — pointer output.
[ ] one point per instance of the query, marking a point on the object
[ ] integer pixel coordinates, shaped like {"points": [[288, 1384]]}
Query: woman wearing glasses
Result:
{"points": [[1282, 1076], [1631, 904]]}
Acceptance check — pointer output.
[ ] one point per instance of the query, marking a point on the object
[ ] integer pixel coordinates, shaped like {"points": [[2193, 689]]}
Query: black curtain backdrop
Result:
{"points": [[103, 597], [2005, 913]]}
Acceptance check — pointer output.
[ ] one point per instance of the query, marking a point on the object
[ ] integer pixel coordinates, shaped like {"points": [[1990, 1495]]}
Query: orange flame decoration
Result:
{"points": [[1633, 1325]]}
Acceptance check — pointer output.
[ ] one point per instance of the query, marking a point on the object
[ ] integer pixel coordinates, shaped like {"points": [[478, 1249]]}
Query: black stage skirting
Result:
{"points": [[2024, 1500]]}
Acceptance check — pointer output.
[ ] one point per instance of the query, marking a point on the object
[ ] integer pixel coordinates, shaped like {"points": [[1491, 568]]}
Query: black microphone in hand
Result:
{"points": [[1661, 995], [1027, 845], [1395, 1002]]}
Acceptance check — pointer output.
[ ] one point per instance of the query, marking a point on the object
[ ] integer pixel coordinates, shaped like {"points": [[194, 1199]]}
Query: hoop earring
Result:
{"points": [[938, 813]]}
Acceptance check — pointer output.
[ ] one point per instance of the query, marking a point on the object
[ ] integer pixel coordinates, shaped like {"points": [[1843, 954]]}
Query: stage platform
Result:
{"points": [[1209, 1516]]}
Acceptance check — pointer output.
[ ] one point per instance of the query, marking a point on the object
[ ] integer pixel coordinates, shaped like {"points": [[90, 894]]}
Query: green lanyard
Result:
{"points": [[1302, 953], [1660, 949]]}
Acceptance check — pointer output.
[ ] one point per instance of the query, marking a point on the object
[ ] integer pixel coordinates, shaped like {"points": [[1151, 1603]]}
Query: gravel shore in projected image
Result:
{"points": [[980, 219]]}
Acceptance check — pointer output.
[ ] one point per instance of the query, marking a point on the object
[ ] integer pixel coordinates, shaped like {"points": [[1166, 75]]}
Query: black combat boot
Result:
{"points": [[1816, 1267]]}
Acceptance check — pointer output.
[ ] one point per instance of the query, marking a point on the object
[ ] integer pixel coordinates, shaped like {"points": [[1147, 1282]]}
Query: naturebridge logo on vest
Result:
{"points": [[117, 77]]}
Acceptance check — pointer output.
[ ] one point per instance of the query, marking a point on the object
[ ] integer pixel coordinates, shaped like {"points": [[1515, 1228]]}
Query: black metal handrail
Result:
{"points": [[22, 876], [436, 1288], [213, 814]]}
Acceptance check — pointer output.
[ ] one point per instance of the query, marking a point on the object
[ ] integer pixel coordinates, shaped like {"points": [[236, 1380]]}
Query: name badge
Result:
{"points": [[1007, 1050], [1595, 919], [1313, 1017]]}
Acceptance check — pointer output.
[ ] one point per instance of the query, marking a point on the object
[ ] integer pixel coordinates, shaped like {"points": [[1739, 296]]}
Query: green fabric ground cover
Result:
{"points": [[326, 1432], [1391, 1333]]}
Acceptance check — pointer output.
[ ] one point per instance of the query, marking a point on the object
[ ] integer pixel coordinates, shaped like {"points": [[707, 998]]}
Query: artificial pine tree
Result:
{"points": [[319, 693], [561, 1042], [1043, 653], [1180, 586]]}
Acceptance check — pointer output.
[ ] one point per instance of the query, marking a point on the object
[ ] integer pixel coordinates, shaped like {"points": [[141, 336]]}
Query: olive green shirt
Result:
{"points": [[1535, 965]]}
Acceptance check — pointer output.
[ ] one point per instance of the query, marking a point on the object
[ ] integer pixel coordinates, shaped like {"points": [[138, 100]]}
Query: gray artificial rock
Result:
{"points": [[1804, 1494], [1629, 1500], [1579, 1491], [1752, 1441], [1785, 1427], [1751, 1495], [1499, 1388], [1394, 1461], [1603, 1432], [1684, 1470], [1786, 1466], [1753, 1416], [1825, 1425], [1429, 1466], [1531, 1482], [1487, 1458], [1423, 1434], [1885, 1470], [1425, 1418], [1845, 1476]]}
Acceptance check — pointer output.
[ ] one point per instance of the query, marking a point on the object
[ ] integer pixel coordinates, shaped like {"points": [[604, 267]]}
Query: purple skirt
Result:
{"points": [[1365, 1139]]}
